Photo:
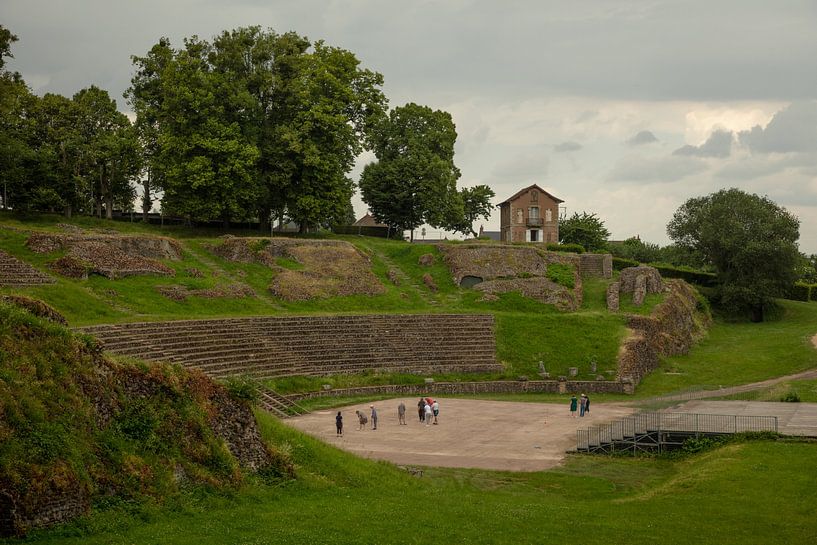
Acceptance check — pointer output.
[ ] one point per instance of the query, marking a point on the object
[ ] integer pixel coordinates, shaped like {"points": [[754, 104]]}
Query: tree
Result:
{"points": [[749, 240], [293, 116], [414, 179], [585, 229], [476, 203]]}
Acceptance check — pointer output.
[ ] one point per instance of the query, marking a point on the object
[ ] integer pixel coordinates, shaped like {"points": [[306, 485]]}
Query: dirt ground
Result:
{"points": [[499, 435]]}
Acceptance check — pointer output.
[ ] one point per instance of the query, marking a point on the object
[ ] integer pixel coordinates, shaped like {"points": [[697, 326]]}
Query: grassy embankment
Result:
{"points": [[720, 497]]}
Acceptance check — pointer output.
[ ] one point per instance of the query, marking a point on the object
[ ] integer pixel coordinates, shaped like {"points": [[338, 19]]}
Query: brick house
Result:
{"points": [[531, 215]]}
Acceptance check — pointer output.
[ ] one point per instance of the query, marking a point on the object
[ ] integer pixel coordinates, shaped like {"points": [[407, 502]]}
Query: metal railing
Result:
{"points": [[653, 430]]}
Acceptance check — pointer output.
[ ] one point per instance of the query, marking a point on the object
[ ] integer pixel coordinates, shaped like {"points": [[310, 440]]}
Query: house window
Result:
{"points": [[548, 215], [534, 235], [533, 212]]}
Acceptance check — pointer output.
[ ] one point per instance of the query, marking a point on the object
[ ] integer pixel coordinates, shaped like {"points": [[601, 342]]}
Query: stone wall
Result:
{"points": [[652, 278], [486, 387], [674, 326], [600, 265]]}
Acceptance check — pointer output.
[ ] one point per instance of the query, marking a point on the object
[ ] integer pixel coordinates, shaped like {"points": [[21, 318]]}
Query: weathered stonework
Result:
{"points": [[495, 265], [486, 387], [600, 265], [674, 326], [628, 278], [640, 290], [613, 301]]}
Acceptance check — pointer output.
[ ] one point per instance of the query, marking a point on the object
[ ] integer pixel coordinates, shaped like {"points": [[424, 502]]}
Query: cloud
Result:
{"points": [[522, 167], [567, 147], [641, 138], [655, 169], [719, 144], [792, 129]]}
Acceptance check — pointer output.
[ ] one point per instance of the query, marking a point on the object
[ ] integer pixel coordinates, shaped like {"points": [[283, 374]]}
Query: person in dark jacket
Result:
{"points": [[421, 409], [339, 423]]}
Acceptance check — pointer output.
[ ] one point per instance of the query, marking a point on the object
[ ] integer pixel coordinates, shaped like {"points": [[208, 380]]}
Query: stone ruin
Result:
{"points": [[113, 256], [495, 269], [639, 281]]}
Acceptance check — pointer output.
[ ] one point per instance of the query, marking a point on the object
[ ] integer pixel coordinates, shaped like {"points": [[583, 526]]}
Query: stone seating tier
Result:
{"points": [[271, 346], [14, 272]]}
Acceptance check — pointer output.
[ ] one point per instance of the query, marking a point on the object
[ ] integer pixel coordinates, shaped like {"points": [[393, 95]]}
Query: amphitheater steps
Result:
{"points": [[270, 346], [14, 272]]}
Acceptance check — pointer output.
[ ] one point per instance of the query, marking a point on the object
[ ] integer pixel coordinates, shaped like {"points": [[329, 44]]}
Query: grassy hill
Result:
{"points": [[719, 497]]}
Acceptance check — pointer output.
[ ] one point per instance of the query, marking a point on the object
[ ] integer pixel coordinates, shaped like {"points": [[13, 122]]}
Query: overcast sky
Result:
{"points": [[623, 108]]}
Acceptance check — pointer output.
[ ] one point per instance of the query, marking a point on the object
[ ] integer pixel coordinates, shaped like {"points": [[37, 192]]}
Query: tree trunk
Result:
{"points": [[757, 313], [109, 206], [146, 200], [67, 211]]}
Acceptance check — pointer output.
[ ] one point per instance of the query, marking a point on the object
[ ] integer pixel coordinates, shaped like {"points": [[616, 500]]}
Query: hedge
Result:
{"points": [[621, 263], [692, 276]]}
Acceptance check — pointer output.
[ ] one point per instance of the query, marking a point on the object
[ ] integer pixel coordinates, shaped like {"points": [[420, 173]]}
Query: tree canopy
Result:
{"points": [[585, 229], [750, 241], [414, 180], [256, 124]]}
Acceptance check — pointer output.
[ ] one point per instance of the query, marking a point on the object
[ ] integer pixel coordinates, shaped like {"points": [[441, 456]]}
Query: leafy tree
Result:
{"points": [[476, 203], [16, 155], [807, 268], [585, 229], [414, 179], [295, 115], [145, 96], [749, 240], [109, 149]]}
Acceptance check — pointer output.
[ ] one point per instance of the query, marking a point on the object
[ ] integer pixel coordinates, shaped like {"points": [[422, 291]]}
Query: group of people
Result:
{"points": [[583, 404], [428, 409]]}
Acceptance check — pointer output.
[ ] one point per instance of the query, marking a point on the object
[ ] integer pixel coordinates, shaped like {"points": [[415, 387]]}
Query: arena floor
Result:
{"points": [[505, 435], [498, 435]]}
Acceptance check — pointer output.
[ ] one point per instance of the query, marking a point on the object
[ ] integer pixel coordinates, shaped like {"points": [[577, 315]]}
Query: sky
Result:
{"points": [[625, 109]]}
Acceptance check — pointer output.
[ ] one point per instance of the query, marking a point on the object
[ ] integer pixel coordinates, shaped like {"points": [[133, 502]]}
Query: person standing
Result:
{"points": [[586, 404], [435, 407], [582, 405], [361, 420], [374, 417], [339, 423], [401, 414], [421, 409], [574, 403], [429, 414]]}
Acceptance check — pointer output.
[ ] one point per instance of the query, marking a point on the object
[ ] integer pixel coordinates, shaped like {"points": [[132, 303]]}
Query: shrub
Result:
{"points": [[242, 387], [791, 397], [574, 248]]}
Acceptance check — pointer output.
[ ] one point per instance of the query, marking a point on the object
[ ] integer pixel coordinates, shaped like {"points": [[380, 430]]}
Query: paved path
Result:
{"points": [[792, 418], [500, 435]]}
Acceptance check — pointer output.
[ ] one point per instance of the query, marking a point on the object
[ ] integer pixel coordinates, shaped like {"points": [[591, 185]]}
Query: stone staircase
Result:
{"points": [[267, 346], [277, 404], [14, 272]]}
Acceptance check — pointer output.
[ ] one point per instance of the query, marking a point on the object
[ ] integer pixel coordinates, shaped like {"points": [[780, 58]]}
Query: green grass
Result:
{"points": [[741, 353], [719, 497]]}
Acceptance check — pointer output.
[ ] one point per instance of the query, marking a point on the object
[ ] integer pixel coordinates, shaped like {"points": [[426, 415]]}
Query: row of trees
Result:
{"points": [[251, 125], [73, 155]]}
